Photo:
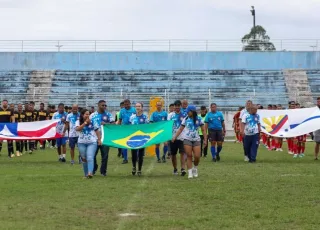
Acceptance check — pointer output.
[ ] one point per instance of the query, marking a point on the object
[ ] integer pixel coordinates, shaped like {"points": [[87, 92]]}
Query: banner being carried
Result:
{"points": [[38, 130], [136, 136], [289, 123]]}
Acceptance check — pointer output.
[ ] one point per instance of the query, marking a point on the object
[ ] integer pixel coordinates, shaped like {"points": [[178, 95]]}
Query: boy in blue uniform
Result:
{"points": [[177, 145], [160, 115], [214, 121], [251, 131], [61, 129], [124, 119], [73, 134], [101, 117]]}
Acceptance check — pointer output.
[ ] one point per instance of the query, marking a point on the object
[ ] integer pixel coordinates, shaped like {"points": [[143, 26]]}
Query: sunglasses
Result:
{"points": [[104, 105]]}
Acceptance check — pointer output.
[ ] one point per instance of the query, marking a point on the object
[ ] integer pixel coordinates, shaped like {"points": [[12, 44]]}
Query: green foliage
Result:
{"points": [[257, 40]]}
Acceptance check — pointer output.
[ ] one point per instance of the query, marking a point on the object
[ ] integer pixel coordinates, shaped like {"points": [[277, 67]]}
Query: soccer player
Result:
{"points": [[61, 129], [117, 120], [160, 115], [43, 115], [89, 139], [136, 119], [7, 116], [177, 145], [35, 116], [29, 112], [191, 137], [204, 147], [19, 117], [124, 119], [71, 120], [292, 141], [184, 106], [102, 117], [250, 130], [236, 125], [243, 113], [171, 108], [214, 121]]}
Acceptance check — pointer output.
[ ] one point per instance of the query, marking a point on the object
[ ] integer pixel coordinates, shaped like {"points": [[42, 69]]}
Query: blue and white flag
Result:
{"points": [[289, 123]]}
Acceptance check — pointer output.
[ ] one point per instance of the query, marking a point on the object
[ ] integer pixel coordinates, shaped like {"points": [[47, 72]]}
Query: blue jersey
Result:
{"points": [[177, 118], [60, 125], [251, 122], [72, 118], [184, 112], [87, 134], [105, 117], [214, 120], [137, 120], [125, 115], [190, 131], [159, 116]]}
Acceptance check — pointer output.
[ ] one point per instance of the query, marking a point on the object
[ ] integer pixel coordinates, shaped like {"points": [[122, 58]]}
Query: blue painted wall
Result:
{"points": [[160, 61]]}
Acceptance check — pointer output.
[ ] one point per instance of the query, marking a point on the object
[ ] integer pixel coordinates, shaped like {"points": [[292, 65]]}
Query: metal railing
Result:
{"points": [[149, 45]]}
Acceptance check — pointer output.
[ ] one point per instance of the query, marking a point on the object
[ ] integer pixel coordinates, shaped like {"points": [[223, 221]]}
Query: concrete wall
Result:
{"points": [[160, 61]]}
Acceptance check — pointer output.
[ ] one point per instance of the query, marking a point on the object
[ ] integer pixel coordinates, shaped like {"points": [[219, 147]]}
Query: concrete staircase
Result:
{"points": [[298, 87], [40, 86]]}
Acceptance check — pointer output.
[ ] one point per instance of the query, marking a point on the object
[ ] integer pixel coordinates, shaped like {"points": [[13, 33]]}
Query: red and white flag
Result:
{"points": [[38, 130]]}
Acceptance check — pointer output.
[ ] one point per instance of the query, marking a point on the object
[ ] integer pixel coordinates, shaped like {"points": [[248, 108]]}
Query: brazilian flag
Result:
{"points": [[136, 136]]}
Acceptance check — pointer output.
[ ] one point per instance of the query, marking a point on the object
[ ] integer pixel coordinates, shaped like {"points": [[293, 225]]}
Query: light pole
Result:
{"points": [[253, 12]]}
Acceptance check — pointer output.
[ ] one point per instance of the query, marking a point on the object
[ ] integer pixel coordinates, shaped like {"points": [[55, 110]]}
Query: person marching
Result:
{"points": [[214, 121], [73, 135], [137, 119], [160, 115], [204, 148], [88, 141], [177, 145], [189, 129], [116, 120]]}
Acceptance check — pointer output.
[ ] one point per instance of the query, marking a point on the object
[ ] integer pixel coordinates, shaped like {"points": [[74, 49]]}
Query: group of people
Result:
{"points": [[191, 133], [296, 145]]}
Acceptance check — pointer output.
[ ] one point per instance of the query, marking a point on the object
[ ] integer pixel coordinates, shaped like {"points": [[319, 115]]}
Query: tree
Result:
{"points": [[257, 40]]}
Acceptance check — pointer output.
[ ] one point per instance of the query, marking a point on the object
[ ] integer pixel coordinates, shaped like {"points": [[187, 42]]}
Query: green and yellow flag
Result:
{"points": [[136, 136]]}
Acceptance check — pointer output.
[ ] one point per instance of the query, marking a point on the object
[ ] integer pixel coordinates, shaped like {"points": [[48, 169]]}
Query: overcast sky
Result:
{"points": [[156, 19]]}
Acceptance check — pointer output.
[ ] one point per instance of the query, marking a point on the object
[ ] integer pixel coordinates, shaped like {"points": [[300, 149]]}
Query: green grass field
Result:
{"points": [[278, 192]]}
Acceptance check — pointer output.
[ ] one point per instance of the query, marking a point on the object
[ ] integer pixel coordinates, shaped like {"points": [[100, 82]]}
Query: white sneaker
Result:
{"points": [[291, 153], [246, 158], [281, 150], [195, 172], [190, 176]]}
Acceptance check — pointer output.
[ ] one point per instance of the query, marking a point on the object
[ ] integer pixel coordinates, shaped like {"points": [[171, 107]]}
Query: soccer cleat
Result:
{"points": [[175, 172], [246, 158], [72, 162], [63, 159], [134, 170], [125, 162], [195, 172], [295, 155], [139, 173], [183, 172], [218, 157]]}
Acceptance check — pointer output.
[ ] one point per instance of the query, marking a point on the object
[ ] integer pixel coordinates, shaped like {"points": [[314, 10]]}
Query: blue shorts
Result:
{"points": [[73, 141], [61, 141]]}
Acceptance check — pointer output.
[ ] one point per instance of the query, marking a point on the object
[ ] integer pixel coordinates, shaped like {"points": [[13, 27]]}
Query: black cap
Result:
{"points": [[177, 102]]}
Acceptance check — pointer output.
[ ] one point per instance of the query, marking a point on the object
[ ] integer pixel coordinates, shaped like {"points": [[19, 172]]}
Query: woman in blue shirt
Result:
{"points": [[191, 139], [88, 141], [138, 154]]}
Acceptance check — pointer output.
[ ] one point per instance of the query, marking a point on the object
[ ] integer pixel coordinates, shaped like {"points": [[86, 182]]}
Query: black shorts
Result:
{"points": [[215, 135], [175, 146]]}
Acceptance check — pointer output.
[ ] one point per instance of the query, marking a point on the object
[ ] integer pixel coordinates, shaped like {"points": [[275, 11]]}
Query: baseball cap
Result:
{"points": [[177, 102], [191, 108]]}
